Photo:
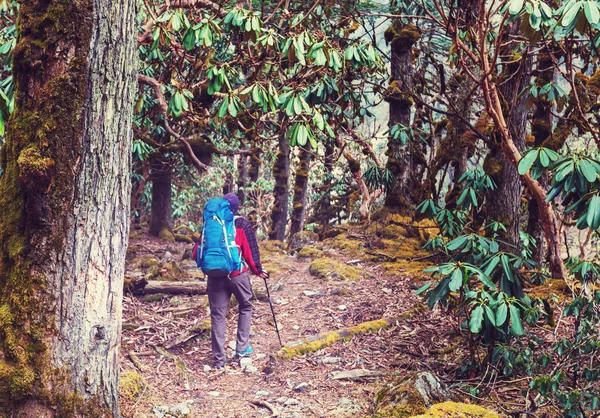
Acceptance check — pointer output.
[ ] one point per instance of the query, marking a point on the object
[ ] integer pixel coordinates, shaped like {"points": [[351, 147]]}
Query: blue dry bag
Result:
{"points": [[218, 254]]}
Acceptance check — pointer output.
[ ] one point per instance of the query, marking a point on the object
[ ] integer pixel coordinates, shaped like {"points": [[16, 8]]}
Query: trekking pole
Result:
{"points": [[272, 310]]}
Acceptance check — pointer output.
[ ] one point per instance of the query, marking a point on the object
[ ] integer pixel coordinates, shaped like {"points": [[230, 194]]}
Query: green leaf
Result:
{"points": [[501, 314], [515, 7], [302, 135], [527, 161], [483, 278], [588, 170], [515, 321], [506, 267], [591, 12], [490, 315], [423, 288], [457, 280], [593, 213], [570, 16], [476, 322], [223, 108]]}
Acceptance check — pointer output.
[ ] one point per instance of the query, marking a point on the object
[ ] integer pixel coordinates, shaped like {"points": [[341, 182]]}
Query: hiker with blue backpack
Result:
{"points": [[228, 248]]}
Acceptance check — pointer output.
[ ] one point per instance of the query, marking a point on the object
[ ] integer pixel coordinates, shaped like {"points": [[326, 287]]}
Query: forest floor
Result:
{"points": [[305, 305]]}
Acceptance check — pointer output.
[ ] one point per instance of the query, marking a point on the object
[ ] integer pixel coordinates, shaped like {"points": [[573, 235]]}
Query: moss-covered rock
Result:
{"points": [[309, 252], [409, 395], [173, 271], [458, 410], [166, 235], [301, 239], [183, 238], [327, 268], [272, 246]]}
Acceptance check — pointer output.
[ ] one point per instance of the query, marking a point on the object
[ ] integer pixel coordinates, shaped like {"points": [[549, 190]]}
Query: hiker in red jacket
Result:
{"points": [[237, 283]]}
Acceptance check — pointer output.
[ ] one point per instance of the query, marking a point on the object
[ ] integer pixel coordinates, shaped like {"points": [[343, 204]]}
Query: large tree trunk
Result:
{"points": [[401, 39], [161, 212], [281, 173], [300, 190], [64, 204]]}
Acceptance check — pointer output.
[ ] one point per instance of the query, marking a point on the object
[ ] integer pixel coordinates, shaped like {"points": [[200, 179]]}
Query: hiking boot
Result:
{"points": [[220, 366], [246, 353]]}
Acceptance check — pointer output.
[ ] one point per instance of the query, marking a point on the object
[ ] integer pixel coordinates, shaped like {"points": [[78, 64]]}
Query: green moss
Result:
{"points": [[399, 398], [492, 166], [147, 261], [327, 268], [157, 297], [166, 235], [131, 384], [183, 238], [309, 252], [272, 246], [458, 410], [173, 271]]}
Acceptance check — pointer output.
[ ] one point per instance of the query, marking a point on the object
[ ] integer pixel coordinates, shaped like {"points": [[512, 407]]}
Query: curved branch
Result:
{"points": [[162, 105]]}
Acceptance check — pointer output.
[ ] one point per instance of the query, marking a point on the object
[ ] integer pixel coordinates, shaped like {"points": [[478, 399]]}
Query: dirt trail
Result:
{"points": [[298, 387]]}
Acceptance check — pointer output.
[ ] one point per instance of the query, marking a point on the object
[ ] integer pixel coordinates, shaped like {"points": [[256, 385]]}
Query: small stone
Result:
{"points": [[276, 287], [231, 345], [296, 327], [291, 402], [214, 394], [281, 400], [282, 301], [341, 307], [250, 369], [180, 410], [168, 254], [261, 356], [345, 401], [262, 393], [311, 293], [160, 411], [386, 290], [245, 361], [313, 392], [302, 387], [207, 368], [332, 360]]}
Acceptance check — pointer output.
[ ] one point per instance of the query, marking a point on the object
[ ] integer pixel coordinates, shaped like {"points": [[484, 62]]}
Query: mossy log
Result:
{"points": [[457, 410], [172, 288], [317, 342]]}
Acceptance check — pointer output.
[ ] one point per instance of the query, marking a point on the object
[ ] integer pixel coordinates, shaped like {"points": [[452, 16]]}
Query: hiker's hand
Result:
{"points": [[264, 275]]}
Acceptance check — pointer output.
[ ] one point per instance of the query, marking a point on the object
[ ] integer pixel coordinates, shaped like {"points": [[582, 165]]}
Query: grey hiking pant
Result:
{"points": [[219, 291]]}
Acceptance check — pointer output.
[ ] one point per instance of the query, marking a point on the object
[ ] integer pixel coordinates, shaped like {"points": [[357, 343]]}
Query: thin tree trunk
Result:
{"points": [[300, 191], [281, 173], [242, 181], [64, 199], [254, 169], [161, 212], [401, 39]]}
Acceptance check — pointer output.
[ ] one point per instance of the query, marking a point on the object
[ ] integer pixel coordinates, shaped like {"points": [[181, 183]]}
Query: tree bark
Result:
{"points": [[161, 212], [255, 163], [64, 200], [242, 181], [504, 203], [401, 37], [494, 107], [281, 173], [300, 191]]}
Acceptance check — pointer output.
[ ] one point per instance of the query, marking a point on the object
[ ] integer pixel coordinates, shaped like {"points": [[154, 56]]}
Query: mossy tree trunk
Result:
{"points": [[401, 37], [504, 203], [541, 130], [281, 174], [254, 168], [323, 211], [64, 200], [161, 211], [300, 192], [242, 181]]}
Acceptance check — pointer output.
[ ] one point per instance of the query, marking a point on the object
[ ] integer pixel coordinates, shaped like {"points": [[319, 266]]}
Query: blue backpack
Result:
{"points": [[218, 254]]}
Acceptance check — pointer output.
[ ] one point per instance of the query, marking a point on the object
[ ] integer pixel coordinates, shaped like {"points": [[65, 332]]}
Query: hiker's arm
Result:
{"points": [[252, 254]]}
